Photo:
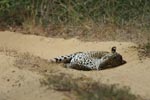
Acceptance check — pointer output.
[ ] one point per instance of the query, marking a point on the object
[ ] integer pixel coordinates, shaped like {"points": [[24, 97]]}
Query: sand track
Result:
{"points": [[134, 74]]}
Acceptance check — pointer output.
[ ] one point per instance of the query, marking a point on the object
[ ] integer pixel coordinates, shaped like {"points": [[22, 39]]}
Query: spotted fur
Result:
{"points": [[68, 58], [93, 60]]}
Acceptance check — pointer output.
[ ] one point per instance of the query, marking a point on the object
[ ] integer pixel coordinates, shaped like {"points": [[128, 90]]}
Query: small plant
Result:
{"points": [[144, 50], [147, 48]]}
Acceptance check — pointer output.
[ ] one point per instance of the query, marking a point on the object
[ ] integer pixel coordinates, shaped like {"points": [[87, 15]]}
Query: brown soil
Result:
{"points": [[24, 84]]}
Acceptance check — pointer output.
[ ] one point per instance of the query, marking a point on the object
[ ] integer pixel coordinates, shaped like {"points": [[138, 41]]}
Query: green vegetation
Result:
{"points": [[45, 12], [86, 89], [144, 50]]}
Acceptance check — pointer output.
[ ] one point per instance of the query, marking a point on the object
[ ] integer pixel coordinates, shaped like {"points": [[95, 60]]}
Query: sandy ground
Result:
{"points": [[16, 84]]}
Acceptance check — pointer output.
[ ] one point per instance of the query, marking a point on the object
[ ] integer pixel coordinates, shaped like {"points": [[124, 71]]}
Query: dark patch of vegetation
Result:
{"points": [[30, 62], [88, 19], [34, 63], [147, 48], [75, 11], [144, 50], [87, 89]]}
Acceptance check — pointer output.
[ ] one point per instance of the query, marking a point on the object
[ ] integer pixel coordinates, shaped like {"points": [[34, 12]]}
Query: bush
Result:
{"points": [[13, 12], [146, 50], [91, 19], [75, 11]]}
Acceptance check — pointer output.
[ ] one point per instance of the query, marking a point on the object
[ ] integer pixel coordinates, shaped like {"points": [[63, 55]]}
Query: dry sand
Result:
{"points": [[16, 84]]}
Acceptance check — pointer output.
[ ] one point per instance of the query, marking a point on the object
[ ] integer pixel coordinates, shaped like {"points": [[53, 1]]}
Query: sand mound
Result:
{"points": [[24, 84]]}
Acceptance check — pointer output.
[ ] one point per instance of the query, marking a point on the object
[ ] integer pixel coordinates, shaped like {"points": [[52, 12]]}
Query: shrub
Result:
{"points": [[75, 11]]}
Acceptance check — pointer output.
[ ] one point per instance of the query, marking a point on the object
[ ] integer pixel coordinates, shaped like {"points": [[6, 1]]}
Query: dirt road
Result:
{"points": [[16, 84]]}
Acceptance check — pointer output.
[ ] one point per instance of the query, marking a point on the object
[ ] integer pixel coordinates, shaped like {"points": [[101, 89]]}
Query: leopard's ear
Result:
{"points": [[113, 49]]}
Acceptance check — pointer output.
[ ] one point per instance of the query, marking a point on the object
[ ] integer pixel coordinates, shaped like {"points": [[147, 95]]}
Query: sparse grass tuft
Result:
{"points": [[147, 48], [34, 63], [87, 89], [29, 61], [144, 50]]}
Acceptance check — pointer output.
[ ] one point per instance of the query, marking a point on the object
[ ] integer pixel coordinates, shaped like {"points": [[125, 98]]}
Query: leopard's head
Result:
{"points": [[117, 60]]}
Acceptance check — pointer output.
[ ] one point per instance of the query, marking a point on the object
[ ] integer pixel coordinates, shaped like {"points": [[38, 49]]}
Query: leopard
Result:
{"points": [[91, 60]]}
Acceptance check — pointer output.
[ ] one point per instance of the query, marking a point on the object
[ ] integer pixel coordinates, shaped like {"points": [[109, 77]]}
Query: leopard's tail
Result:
{"points": [[62, 59]]}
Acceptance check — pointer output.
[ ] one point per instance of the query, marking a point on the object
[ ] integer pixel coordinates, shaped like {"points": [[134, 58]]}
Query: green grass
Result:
{"points": [[74, 12], [122, 20], [86, 89]]}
